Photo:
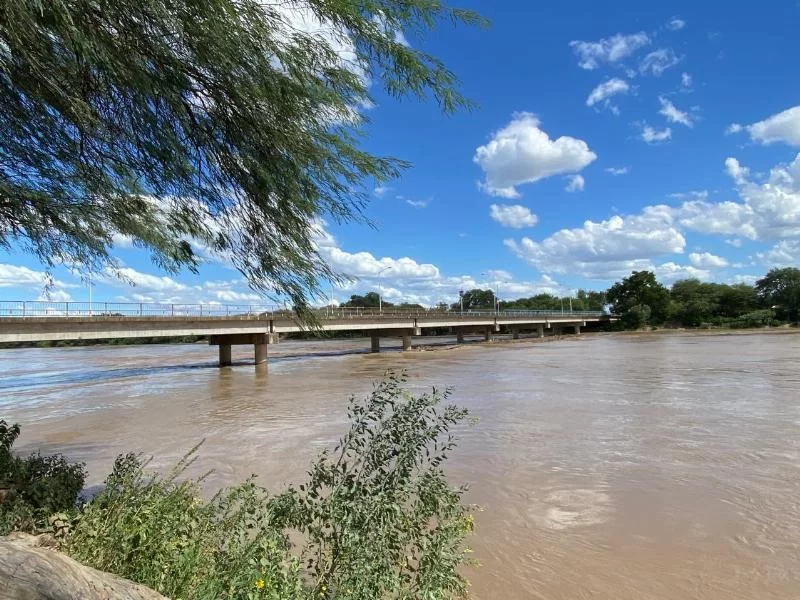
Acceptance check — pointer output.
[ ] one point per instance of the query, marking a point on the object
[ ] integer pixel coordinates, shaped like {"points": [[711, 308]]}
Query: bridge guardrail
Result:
{"points": [[39, 309]]}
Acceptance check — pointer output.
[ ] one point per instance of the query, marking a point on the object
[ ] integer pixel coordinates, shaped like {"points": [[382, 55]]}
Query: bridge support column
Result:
{"points": [[260, 351], [375, 343], [259, 341], [406, 343], [577, 329], [459, 336], [225, 359], [540, 331], [488, 335], [515, 333]]}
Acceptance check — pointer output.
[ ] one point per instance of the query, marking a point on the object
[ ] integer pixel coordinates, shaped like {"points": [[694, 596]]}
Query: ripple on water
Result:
{"points": [[571, 508]]}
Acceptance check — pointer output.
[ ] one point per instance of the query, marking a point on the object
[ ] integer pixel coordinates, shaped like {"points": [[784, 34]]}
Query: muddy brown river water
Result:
{"points": [[646, 467]]}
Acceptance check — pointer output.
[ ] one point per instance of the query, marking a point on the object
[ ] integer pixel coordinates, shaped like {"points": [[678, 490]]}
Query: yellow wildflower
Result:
{"points": [[259, 584]]}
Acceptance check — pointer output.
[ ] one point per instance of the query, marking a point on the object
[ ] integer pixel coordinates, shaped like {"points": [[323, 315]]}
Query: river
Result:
{"points": [[611, 467]]}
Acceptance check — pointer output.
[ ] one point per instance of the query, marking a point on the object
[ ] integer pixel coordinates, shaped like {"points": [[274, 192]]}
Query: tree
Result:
{"points": [[476, 299], [369, 300], [640, 290], [189, 127], [781, 288]]}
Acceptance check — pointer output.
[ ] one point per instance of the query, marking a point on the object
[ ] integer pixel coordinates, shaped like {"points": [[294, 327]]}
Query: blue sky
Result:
{"points": [[661, 137]]}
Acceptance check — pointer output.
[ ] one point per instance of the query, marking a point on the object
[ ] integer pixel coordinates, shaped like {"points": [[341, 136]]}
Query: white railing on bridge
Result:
{"points": [[37, 308]]}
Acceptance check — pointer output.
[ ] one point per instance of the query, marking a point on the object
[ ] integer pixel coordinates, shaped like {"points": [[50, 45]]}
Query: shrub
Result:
{"points": [[376, 518], [35, 487]]}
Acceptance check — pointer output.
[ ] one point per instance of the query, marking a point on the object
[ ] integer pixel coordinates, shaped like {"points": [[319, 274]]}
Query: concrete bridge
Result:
{"points": [[229, 325]]}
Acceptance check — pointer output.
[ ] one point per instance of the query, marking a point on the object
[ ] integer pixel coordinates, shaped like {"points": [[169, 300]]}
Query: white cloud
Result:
{"points": [[693, 194], [592, 55], [733, 128], [737, 172], [707, 260], [616, 171], [675, 24], [606, 90], [382, 190], [782, 127], [735, 242], [126, 276], [653, 136], [521, 153], [783, 254], [418, 203], [670, 272], [576, 183], [686, 80], [513, 215], [55, 296], [47, 288], [673, 114], [658, 61], [605, 250], [768, 211], [16, 276]]}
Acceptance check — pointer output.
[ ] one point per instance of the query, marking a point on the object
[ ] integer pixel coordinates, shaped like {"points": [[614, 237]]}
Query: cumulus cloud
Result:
{"points": [[785, 253], [606, 249], [676, 24], [654, 136], [592, 55], [576, 183], [382, 190], [781, 127], [606, 90], [521, 153], [616, 171], [658, 61], [686, 80], [670, 272], [768, 211], [39, 282], [513, 215], [707, 260], [673, 114]]}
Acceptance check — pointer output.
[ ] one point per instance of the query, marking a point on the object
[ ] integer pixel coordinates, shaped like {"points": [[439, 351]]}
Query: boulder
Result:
{"points": [[32, 569]]}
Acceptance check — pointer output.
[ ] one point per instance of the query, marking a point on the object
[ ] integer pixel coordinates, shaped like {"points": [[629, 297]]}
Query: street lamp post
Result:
{"points": [[380, 290], [461, 301], [495, 293]]}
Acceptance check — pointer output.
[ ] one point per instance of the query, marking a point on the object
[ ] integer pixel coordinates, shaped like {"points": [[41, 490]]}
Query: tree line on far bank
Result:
{"points": [[640, 300]]}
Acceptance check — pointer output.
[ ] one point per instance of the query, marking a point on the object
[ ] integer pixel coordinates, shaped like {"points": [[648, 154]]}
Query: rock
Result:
{"points": [[31, 569]]}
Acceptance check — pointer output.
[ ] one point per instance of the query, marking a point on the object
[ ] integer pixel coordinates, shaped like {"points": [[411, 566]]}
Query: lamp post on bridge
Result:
{"points": [[380, 290], [495, 294]]}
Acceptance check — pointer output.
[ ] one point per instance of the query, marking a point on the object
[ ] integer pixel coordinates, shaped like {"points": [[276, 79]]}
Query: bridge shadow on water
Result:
{"points": [[98, 374]]}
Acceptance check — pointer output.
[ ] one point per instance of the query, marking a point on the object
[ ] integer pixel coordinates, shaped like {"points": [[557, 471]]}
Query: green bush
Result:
{"points": [[757, 318], [376, 518], [35, 487]]}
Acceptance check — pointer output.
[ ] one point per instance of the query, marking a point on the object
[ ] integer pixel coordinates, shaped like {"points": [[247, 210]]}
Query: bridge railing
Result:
{"points": [[37, 308]]}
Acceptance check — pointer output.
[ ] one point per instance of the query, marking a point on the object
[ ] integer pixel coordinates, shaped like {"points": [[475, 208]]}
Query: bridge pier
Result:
{"points": [[375, 343], [488, 335], [459, 336], [260, 351], [259, 341], [406, 343], [515, 333], [225, 359], [540, 331], [577, 329]]}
